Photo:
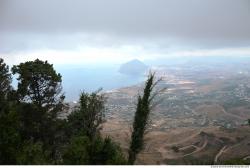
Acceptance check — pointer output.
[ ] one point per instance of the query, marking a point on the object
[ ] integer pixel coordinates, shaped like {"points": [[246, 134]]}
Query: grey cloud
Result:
{"points": [[209, 23]]}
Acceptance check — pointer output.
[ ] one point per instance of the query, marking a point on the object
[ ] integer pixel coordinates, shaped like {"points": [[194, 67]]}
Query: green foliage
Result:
{"points": [[40, 101], [10, 138], [31, 118], [82, 151], [76, 152], [106, 152], [5, 80], [113, 153], [248, 122], [9, 120], [141, 119], [32, 154], [86, 145], [87, 119], [236, 161], [31, 132], [39, 83]]}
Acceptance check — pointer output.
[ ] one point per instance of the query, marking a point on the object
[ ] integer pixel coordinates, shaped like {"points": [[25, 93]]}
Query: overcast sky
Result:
{"points": [[114, 31]]}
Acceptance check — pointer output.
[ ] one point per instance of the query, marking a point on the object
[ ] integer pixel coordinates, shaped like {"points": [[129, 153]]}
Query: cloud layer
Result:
{"points": [[154, 25]]}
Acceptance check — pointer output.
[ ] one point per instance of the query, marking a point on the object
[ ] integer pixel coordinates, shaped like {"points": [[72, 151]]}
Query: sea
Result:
{"points": [[89, 79]]}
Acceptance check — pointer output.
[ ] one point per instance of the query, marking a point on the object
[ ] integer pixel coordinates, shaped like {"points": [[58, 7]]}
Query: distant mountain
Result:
{"points": [[133, 67]]}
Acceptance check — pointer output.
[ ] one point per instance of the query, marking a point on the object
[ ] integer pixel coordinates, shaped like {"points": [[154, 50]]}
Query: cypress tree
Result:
{"points": [[141, 119]]}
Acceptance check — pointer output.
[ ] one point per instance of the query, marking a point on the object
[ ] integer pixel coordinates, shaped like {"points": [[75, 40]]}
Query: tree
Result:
{"points": [[39, 88], [40, 101], [32, 154], [141, 118], [76, 153], [32, 133], [5, 81], [88, 118], [10, 138], [40, 84], [86, 145], [107, 153], [82, 151]]}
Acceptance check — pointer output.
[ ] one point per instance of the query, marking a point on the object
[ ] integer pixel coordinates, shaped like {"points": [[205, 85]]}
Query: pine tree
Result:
{"points": [[87, 119], [86, 145], [10, 138], [5, 81], [40, 84], [40, 99]]}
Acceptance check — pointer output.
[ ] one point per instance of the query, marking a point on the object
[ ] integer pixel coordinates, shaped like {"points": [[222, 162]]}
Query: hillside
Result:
{"points": [[201, 119]]}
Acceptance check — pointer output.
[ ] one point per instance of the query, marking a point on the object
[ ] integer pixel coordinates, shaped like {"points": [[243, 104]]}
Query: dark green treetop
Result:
{"points": [[39, 83], [5, 81], [87, 119], [40, 102], [87, 146]]}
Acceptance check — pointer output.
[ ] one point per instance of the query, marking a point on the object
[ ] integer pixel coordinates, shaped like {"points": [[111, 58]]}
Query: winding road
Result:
{"points": [[219, 154]]}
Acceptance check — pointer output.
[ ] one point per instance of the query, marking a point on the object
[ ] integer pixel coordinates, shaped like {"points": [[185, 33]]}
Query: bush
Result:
{"points": [[175, 149], [82, 151], [32, 154], [236, 161], [77, 151]]}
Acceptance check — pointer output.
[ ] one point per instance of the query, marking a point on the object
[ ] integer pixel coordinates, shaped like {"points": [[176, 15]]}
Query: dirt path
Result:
{"points": [[165, 152], [185, 147], [225, 149], [238, 144], [219, 154], [161, 149], [198, 149]]}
